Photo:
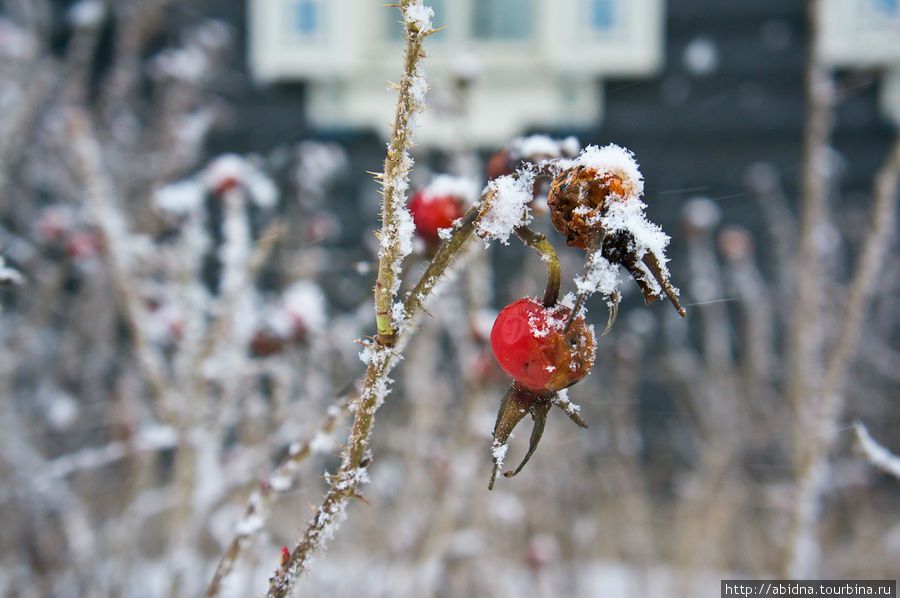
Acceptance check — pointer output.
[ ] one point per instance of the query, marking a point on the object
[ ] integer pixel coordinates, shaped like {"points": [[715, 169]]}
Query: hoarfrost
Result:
{"points": [[304, 304], [877, 455], [317, 165], [561, 399], [498, 451], [506, 206], [398, 314], [419, 16], [629, 216], [9, 275], [541, 147], [445, 184], [179, 198], [321, 443], [279, 483], [601, 276], [249, 525], [262, 190], [611, 159], [224, 170]]}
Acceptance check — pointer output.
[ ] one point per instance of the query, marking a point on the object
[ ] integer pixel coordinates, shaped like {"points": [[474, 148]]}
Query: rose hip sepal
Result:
{"points": [[533, 345]]}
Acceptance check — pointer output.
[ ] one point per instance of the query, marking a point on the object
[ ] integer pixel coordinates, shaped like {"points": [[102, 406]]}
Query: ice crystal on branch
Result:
{"points": [[506, 206]]}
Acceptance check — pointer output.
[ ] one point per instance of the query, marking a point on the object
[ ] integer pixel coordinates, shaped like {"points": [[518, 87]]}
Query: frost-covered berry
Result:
{"points": [[432, 212], [578, 198], [531, 344]]}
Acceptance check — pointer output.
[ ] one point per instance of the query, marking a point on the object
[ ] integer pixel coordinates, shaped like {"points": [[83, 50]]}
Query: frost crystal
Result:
{"points": [[445, 184], [878, 455], [419, 16], [321, 443], [601, 276], [506, 206], [498, 451], [611, 159], [179, 198], [541, 147], [9, 275], [249, 525]]}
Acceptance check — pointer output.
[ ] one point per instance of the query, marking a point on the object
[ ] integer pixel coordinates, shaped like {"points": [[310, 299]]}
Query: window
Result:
{"points": [[602, 14], [888, 7], [307, 17], [502, 19]]}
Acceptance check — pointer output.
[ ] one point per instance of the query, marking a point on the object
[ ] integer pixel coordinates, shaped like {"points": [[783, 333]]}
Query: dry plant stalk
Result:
{"points": [[817, 379]]}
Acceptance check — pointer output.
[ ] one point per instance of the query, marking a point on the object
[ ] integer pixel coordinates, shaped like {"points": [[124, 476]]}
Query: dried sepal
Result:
{"points": [[518, 402]]}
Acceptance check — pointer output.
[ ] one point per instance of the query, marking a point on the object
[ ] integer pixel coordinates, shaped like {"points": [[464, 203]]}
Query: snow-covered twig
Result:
{"points": [[100, 200], [396, 222], [877, 455], [278, 481], [383, 354]]}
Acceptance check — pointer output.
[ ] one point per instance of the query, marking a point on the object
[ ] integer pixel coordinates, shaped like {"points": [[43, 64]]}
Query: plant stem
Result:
{"points": [[394, 180], [548, 254]]}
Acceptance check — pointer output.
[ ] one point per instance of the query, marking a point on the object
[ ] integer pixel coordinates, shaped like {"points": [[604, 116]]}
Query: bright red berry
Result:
{"points": [[531, 344], [432, 212]]}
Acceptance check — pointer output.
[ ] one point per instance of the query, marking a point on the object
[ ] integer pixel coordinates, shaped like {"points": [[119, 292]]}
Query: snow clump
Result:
{"points": [[506, 206]]}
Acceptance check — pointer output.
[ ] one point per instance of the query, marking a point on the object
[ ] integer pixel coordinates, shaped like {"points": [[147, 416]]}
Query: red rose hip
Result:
{"points": [[432, 212], [531, 344]]}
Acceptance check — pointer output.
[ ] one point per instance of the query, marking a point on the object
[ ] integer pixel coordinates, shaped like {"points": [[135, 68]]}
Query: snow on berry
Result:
{"points": [[439, 204], [535, 148]]}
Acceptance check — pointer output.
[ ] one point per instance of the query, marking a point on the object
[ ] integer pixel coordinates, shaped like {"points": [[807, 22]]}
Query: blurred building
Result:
{"points": [[866, 35], [719, 87], [499, 67]]}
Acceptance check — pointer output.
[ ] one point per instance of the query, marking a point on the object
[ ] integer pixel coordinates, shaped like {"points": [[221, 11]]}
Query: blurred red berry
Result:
{"points": [[531, 344], [500, 164], [433, 212], [82, 246]]}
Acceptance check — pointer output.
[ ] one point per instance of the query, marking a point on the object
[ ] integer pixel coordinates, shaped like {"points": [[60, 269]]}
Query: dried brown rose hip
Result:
{"points": [[577, 200]]}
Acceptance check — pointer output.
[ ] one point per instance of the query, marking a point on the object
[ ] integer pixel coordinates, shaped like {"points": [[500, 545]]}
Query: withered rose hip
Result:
{"points": [[577, 200], [531, 344]]}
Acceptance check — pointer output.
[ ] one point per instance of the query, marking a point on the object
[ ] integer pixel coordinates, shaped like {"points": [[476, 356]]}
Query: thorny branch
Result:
{"points": [[384, 353]]}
